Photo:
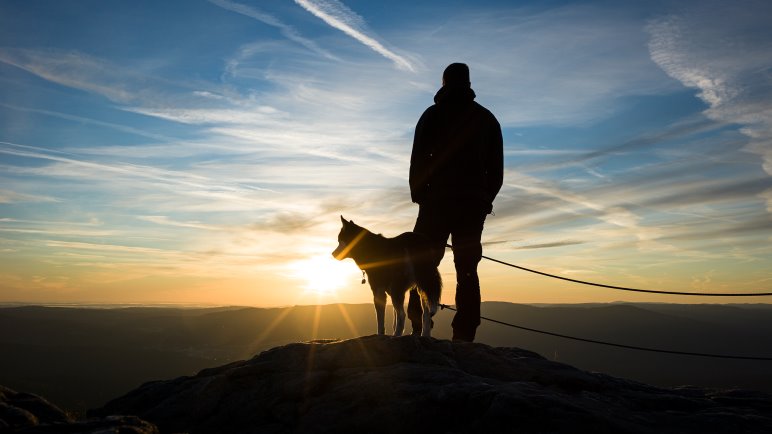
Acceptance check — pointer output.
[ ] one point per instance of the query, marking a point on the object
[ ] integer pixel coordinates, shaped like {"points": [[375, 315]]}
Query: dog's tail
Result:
{"points": [[430, 283]]}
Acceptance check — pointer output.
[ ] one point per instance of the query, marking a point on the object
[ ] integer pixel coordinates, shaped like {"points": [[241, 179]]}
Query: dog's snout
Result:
{"points": [[338, 252]]}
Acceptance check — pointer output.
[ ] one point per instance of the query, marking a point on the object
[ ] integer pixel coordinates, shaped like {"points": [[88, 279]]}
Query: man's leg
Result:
{"points": [[467, 252], [431, 222]]}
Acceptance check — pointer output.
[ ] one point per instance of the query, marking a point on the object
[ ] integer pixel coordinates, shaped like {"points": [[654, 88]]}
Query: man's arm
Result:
{"points": [[495, 161], [418, 159]]}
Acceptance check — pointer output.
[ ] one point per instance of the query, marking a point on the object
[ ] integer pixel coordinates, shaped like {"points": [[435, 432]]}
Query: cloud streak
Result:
{"points": [[72, 69], [339, 16], [717, 50], [81, 119], [10, 196], [288, 31], [549, 245]]}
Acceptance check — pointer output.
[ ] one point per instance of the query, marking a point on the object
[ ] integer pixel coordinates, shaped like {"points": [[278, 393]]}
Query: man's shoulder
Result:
{"points": [[429, 114], [431, 109], [484, 112], [482, 109]]}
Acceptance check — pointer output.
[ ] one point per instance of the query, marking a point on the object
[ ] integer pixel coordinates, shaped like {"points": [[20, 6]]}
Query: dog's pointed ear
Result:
{"points": [[342, 220]]}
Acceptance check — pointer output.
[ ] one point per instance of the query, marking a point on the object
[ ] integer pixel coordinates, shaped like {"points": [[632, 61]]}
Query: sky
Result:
{"points": [[201, 152]]}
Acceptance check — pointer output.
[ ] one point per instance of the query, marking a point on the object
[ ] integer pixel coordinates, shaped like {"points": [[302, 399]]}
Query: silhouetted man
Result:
{"points": [[456, 170]]}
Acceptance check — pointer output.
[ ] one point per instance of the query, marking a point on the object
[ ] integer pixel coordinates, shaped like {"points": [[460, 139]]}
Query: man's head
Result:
{"points": [[456, 74]]}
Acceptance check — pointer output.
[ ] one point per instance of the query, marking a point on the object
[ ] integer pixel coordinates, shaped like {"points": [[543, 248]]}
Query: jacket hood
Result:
{"points": [[454, 94]]}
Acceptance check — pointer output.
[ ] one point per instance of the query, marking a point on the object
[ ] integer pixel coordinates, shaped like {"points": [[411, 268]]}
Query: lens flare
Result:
{"points": [[323, 274]]}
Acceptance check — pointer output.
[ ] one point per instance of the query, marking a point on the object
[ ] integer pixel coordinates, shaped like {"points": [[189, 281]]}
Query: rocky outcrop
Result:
{"points": [[380, 384], [27, 413]]}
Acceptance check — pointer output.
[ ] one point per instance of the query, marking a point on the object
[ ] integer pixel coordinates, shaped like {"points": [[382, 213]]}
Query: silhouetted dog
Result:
{"points": [[394, 266]]}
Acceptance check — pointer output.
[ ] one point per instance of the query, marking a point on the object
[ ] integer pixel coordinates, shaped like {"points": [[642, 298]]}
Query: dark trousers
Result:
{"points": [[464, 225]]}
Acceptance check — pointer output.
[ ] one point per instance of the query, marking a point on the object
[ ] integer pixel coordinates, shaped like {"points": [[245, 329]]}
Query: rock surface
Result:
{"points": [[27, 413], [379, 384]]}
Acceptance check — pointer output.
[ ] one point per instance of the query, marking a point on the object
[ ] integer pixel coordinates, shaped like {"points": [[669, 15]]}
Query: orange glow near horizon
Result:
{"points": [[314, 277]]}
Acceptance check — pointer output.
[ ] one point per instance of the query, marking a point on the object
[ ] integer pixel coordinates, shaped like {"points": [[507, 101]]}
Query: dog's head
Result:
{"points": [[349, 236]]}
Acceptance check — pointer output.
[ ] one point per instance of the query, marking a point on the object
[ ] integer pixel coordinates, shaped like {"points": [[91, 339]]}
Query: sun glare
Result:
{"points": [[323, 274]]}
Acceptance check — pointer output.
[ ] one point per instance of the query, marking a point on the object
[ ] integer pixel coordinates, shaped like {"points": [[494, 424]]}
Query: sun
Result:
{"points": [[323, 274]]}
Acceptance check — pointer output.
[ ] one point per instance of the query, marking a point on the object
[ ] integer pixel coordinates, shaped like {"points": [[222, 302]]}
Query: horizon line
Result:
{"points": [[203, 306]]}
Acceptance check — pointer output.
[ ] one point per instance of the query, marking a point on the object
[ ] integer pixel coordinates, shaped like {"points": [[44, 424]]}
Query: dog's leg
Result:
{"points": [[426, 317], [379, 300], [398, 301], [430, 290]]}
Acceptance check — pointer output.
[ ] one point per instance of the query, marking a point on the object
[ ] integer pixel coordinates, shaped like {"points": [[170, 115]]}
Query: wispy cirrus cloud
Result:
{"points": [[80, 233], [164, 220], [72, 69], [550, 245], [69, 229], [10, 196], [257, 115], [153, 173], [719, 49], [90, 121], [287, 30], [339, 16], [120, 83], [162, 187]]}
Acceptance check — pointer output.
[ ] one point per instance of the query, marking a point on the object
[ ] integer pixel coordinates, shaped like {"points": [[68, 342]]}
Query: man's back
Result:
{"points": [[457, 151]]}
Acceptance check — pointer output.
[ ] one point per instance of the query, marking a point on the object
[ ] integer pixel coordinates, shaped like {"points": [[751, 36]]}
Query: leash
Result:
{"points": [[613, 344], [623, 288]]}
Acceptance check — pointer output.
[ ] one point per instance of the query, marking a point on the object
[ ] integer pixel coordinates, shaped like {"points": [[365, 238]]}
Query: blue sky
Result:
{"points": [[201, 151]]}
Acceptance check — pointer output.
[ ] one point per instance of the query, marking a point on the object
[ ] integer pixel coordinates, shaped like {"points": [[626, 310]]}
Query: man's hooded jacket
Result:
{"points": [[458, 155]]}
